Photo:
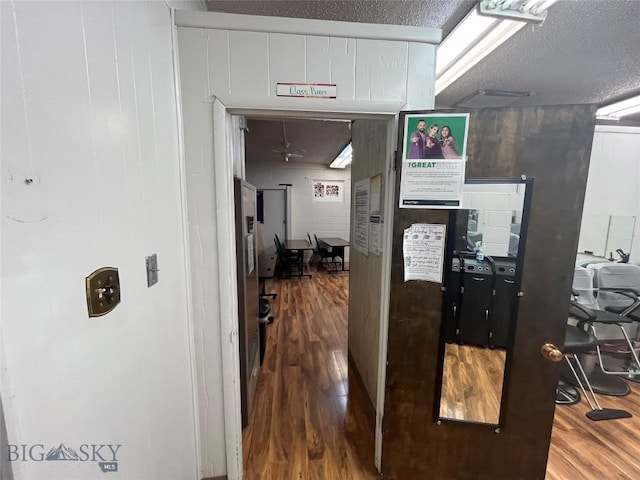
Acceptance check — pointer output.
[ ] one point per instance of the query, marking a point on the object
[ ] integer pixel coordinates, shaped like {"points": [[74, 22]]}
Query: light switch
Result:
{"points": [[152, 269], [103, 291]]}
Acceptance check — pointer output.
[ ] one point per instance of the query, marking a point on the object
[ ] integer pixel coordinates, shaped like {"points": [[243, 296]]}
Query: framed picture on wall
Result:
{"points": [[328, 190]]}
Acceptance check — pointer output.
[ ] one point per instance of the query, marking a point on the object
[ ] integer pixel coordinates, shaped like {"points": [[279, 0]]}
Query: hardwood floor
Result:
{"points": [[587, 450], [309, 422], [311, 418], [472, 381]]}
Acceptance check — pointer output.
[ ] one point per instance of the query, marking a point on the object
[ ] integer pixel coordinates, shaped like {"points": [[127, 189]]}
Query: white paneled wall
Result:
{"points": [[612, 187], [90, 178], [370, 157], [323, 219], [248, 65]]}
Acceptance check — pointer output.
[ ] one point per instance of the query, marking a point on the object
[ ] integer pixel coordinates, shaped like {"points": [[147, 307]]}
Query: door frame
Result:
{"points": [[222, 143]]}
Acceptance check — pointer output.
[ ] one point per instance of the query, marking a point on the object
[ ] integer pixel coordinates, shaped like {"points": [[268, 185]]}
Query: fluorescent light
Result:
{"points": [[620, 109], [344, 159], [477, 36]]}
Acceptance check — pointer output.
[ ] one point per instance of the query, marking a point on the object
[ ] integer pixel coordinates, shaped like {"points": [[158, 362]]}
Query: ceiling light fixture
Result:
{"points": [[619, 109], [344, 159], [483, 30]]}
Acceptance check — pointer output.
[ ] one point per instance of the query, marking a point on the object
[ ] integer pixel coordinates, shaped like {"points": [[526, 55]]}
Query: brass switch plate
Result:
{"points": [[103, 291]]}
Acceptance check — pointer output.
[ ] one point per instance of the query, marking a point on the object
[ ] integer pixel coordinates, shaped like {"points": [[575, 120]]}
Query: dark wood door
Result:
{"points": [[552, 145]]}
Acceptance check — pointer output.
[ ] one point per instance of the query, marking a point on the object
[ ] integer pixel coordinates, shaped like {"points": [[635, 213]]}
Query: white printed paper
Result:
{"points": [[423, 252], [375, 232], [432, 183], [361, 221], [251, 253]]}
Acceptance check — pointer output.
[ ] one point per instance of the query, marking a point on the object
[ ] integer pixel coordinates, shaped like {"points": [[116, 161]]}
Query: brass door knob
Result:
{"points": [[551, 352]]}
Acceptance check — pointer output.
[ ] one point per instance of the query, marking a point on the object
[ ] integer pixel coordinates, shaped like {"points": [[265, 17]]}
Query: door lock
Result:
{"points": [[551, 352], [103, 291]]}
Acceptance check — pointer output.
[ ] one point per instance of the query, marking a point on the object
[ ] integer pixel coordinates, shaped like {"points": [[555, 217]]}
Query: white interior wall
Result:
{"points": [[325, 219], [89, 114], [371, 156], [612, 187]]}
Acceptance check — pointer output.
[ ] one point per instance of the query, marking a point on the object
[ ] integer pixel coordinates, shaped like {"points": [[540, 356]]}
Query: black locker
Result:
{"points": [[477, 294], [451, 305], [506, 295]]}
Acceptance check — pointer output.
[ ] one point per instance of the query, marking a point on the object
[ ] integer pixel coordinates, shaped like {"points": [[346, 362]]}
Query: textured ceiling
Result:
{"points": [[443, 14], [321, 140], [584, 52]]}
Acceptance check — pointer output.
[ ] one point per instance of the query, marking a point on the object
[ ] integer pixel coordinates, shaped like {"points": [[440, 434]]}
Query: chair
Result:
{"points": [[577, 341], [473, 238], [316, 250], [325, 254], [288, 260], [585, 310], [618, 288]]}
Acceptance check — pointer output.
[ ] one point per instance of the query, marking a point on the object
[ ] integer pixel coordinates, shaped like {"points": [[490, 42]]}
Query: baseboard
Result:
{"points": [[221, 477]]}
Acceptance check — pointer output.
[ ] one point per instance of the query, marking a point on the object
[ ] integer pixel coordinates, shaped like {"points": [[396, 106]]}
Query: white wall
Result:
{"points": [[248, 64], [612, 187], [370, 157], [89, 113], [324, 219]]}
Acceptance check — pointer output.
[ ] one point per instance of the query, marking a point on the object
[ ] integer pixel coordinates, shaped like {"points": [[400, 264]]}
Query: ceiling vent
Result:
{"points": [[491, 98]]}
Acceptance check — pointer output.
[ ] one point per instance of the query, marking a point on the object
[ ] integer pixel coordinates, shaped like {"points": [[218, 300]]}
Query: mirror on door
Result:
{"points": [[485, 251]]}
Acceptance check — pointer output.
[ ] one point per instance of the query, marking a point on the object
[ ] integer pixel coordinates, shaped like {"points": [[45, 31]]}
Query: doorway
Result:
{"points": [[317, 389]]}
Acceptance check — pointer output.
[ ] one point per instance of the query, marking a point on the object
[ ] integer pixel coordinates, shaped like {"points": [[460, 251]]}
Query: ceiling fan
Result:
{"points": [[285, 153]]}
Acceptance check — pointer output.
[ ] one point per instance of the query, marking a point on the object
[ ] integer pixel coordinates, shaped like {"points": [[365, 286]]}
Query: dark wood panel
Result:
{"points": [[551, 145]]}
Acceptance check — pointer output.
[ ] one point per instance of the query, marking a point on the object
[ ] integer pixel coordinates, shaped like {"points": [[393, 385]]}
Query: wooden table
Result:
{"points": [[299, 246], [337, 245]]}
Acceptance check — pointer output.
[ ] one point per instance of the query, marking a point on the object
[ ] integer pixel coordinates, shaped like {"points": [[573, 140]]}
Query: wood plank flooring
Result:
{"points": [[312, 419], [587, 450]]}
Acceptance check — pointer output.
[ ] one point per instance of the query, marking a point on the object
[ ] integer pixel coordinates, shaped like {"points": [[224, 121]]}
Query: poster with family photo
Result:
{"points": [[436, 136], [434, 155], [328, 190]]}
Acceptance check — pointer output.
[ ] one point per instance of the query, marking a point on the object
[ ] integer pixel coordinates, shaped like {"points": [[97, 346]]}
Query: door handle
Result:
{"points": [[551, 352]]}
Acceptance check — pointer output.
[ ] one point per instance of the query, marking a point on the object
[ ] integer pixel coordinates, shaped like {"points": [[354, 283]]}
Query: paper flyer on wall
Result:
{"points": [[361, 220], [434, 156], [423, 252], [375, 214], [375, 227]]}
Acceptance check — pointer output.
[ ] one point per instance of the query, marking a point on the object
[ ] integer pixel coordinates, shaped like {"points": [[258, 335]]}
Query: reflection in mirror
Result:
{"points": [[472, 383], [484, 254]]}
